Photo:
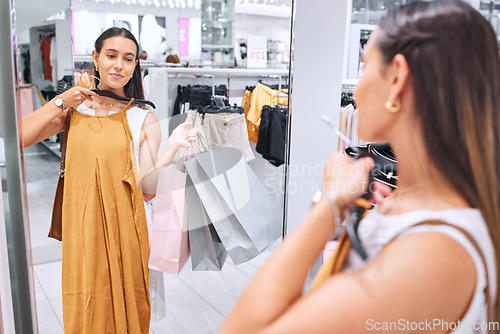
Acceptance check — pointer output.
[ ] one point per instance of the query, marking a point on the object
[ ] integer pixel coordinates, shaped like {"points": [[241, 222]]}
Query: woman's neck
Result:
{"points": [[420, 184]]}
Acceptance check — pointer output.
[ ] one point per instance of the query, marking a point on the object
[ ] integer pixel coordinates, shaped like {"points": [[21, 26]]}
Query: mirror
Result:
{"points": [[208, 61]]}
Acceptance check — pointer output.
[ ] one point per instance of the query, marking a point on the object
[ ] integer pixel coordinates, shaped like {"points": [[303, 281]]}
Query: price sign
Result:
{"points": [[257, 52]]}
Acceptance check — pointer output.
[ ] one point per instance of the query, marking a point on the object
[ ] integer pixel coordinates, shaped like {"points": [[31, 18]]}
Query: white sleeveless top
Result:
{"points": [[135, 117], [376, 230]]}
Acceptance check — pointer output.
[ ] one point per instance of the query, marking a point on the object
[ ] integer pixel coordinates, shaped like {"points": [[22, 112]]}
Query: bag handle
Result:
{"points": [[335, 262], [62, 166]]}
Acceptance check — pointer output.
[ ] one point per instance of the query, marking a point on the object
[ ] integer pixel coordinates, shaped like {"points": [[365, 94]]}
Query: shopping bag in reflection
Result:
{"points": [[245, 216], [207, 251], [169, 244]]}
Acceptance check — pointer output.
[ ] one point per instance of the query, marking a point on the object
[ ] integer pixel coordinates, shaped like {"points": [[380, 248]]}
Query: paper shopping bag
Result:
{"points": [[169, 244], [207, 250], [245, 216]]}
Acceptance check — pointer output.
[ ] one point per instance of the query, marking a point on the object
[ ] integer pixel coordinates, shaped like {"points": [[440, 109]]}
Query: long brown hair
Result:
{"points": [[133, 88], [453, 56]]}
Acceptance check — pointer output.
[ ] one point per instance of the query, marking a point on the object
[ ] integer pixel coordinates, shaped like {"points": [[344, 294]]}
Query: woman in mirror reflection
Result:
{"points": [[431, 88], [111, 171]]}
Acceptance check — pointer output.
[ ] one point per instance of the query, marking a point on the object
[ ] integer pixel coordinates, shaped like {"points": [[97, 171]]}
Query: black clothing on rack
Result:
{"points": [[347, 99], [197, 96], [272, 134], [64, 84], [218, 110], [49, 93]]}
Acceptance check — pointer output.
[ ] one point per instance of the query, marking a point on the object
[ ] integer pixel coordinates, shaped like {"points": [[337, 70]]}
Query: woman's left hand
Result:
{"points": [[181, 137], [345, 179]]}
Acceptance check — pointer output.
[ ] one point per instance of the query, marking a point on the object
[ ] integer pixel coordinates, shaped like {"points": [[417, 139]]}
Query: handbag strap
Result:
{"points": [[62, 166], [478, 250], [335, 262]]}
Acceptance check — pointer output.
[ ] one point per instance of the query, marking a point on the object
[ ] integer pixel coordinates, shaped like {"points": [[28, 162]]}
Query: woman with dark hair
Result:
{"points": [[431, 88], [111, 169]]}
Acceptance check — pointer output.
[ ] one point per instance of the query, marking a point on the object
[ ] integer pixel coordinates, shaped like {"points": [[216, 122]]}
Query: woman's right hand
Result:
{"points": [[75, 96], [346, 179]]}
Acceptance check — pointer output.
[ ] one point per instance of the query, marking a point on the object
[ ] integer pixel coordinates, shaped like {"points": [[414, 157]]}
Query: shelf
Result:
{"points": [[221, 72], [214, 46]]}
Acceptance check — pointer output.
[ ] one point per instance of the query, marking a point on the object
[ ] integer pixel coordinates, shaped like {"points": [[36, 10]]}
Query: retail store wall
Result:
{"points": [[171, 16], [320, 30], [30, 13]]}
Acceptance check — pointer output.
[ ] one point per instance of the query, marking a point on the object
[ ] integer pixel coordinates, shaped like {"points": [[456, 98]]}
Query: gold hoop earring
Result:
{"points": [[97, 69], [393, 107]]}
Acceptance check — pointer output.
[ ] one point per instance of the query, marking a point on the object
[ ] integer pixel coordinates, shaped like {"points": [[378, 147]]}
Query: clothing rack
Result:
{"points": [[228, 73], [162, 75]]}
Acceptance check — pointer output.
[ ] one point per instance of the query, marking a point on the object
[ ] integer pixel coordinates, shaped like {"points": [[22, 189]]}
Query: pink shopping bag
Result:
{"points": [[169, 243]]}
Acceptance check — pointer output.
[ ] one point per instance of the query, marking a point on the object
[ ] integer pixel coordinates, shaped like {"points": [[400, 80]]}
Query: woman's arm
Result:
{"points": [[148, 156], [388, 289], [49, 119]]}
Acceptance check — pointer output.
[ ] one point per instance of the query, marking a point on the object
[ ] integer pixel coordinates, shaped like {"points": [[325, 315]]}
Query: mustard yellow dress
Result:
{"points": [[105, 283]]}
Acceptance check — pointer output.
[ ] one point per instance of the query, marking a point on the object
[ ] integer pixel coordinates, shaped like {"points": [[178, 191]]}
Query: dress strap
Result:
{"points": [[128, 104], [478, 250]]}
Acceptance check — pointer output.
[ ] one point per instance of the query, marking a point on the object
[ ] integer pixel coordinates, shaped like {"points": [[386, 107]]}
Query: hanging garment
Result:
{"points": [[192, 97], [53, 60], [272, 134], [262, 95], [348, 125], [45, 48], [136, 117], [246, 99], [195, 118], [229, 128], [105, 237], [64, 84]]}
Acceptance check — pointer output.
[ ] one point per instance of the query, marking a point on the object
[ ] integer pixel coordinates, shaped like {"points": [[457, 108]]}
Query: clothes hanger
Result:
{"points": [[361, 204], [107, 93]]}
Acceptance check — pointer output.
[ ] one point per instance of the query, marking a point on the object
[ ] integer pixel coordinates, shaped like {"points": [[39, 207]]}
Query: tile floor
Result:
{"points": [[194, 302]]}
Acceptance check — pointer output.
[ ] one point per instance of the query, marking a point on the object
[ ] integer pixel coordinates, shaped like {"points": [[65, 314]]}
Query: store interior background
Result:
{"points": [[325, 62], [191, 302]]}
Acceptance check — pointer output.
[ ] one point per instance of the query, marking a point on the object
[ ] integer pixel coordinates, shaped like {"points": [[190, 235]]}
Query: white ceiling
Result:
{"points": [[190, 3], [33, 12]]}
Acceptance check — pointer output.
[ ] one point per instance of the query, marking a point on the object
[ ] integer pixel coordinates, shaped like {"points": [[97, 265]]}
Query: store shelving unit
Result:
{"points": [[217, 33]]}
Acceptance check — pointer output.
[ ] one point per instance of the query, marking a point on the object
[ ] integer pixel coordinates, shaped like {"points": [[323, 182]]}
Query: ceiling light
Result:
{"points": [[171, 3]]}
